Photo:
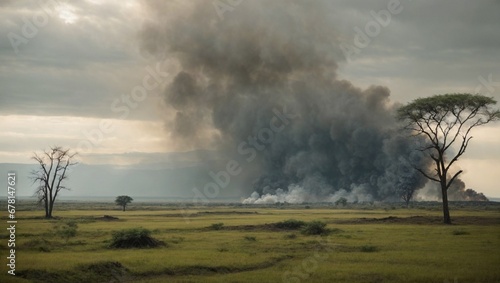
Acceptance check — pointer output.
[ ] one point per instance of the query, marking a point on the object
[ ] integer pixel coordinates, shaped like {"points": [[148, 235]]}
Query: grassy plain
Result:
{"points": [[367, 244]]}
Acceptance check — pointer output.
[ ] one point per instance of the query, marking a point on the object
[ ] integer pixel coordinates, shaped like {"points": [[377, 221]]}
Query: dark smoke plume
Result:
{"points": [[457, 191], [233, 73]]}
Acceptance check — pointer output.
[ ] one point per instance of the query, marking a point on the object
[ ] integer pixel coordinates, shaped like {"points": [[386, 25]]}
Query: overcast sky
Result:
{"points": [[68, 71]]}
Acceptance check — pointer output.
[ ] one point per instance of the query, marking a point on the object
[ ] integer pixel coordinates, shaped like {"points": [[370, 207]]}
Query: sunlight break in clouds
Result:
{"points": [[67, 13], [23, 134]]}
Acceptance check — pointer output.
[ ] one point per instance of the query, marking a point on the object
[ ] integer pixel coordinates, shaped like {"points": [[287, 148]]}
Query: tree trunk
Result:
{"points": [[46, 203], [123, 208], [48, 214], [51, 207], [446, 211]]}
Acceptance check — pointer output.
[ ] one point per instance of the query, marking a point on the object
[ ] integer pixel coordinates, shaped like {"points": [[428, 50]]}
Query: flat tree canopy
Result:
{"points": [[123, 201], [446, 120]]}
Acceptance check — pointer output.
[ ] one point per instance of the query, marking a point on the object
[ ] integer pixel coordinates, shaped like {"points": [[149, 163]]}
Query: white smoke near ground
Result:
{"points": [[295, 194], [356, 194]]}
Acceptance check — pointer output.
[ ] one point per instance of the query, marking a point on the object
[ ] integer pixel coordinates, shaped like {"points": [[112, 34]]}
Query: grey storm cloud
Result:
{"points": [[62, 69], [430, 44], [272, 54]]}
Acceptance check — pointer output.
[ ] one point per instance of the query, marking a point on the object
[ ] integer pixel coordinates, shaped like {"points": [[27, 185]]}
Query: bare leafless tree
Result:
{"points": [[406, 193], [53, 168]]}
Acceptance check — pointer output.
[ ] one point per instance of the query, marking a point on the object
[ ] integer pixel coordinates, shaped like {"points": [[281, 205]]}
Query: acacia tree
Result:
{"points": [[53, 167], [447, 120], [123, 201]]}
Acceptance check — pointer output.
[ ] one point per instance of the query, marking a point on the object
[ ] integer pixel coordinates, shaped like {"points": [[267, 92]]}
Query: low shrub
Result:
{"points": [[460, 232], [41, 245], [66, 230], [315, 228], [341, 201], [290, 224], [134, 238], [368, 249], [216, 226]]}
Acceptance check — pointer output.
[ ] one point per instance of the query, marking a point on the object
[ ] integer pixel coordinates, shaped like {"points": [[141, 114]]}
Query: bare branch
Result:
{"points": [[461, 124], [453, 179], [426, 175]]}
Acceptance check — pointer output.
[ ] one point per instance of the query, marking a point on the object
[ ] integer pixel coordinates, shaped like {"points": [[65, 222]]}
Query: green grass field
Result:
{"points": [[364, 245]]}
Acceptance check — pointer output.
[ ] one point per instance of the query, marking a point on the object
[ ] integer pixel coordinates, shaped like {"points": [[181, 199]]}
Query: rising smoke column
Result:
{"points": [[266, 55]]}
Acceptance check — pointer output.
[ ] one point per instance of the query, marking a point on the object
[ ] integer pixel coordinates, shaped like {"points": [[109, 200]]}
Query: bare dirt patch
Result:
{"points": [[209, 213], [211, 270], [226, 212], [259, 227], [107, 271]]}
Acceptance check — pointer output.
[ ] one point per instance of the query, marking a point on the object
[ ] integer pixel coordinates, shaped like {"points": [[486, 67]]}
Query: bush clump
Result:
{"points": [[460, 232], [341, 201], [41, 245], [216, 226], [369, 249], [134, 238], [315, 228], [66, 230], [290, 224]]}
